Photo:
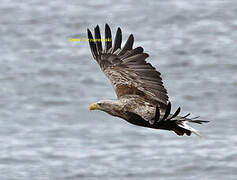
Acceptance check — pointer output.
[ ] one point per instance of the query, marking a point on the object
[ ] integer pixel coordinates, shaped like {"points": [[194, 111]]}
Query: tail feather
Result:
{"points": [[189, 129]]}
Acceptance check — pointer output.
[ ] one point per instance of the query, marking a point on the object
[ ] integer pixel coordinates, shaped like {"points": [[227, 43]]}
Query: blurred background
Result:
{"points": [[48, 82]]}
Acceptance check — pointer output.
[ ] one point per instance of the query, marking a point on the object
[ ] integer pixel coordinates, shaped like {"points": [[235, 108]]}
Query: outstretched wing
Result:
{"points": [[127, 68]]}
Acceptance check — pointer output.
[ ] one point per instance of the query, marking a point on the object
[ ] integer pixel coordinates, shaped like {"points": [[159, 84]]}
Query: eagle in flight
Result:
{"points": [[141, 96]]}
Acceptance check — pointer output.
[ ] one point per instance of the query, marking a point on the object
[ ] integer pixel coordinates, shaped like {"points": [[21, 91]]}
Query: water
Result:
{"points": [[47, 84]]}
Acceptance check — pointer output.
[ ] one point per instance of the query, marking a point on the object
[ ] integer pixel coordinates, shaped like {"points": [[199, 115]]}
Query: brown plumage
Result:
{"points": [[142, 97]]}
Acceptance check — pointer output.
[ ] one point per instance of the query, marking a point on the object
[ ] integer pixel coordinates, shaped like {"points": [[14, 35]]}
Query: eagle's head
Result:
{"points": [[109, 106]]}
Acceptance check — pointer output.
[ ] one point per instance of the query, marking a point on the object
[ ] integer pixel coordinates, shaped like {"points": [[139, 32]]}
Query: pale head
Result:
{"points": [[109, 106]]}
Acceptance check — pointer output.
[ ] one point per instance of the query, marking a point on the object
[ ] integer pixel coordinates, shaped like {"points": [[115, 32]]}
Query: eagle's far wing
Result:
{"points": [[127, 68]]}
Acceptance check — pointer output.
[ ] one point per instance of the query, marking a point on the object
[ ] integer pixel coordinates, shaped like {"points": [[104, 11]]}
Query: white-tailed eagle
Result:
{"points": [[141, 96]]}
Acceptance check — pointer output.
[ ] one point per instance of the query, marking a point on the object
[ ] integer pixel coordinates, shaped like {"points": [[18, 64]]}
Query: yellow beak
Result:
{"points": [[93, 106]]}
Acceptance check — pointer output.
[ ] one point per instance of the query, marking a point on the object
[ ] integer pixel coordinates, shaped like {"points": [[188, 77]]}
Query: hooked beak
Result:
{"points": [[93, 106]]}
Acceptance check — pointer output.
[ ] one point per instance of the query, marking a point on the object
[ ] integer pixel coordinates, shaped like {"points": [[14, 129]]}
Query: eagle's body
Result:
{"points": [[142, 98], [130, 103]]}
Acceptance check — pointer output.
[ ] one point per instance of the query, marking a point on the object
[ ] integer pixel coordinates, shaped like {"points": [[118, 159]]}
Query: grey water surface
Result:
{"points": [[47, 83]]}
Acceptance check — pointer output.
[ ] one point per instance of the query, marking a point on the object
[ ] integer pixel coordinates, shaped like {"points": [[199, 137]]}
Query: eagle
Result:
{"points": [[142, 99]]}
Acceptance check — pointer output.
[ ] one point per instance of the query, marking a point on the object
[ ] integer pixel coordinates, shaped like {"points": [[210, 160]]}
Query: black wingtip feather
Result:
{"points": [[195, 117], [108, 37], [199, 121], [118, 39], [106, 25], [92, 44], [186, 115], [98, 39], [167, 112], [176, 113], [128, 45]]}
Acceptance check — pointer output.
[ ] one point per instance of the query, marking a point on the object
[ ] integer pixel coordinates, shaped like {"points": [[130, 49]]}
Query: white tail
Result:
{"points": [[187, 127]]}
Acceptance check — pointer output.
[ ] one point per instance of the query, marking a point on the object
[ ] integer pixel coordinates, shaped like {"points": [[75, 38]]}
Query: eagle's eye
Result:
{"points": [[99, 104]]}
